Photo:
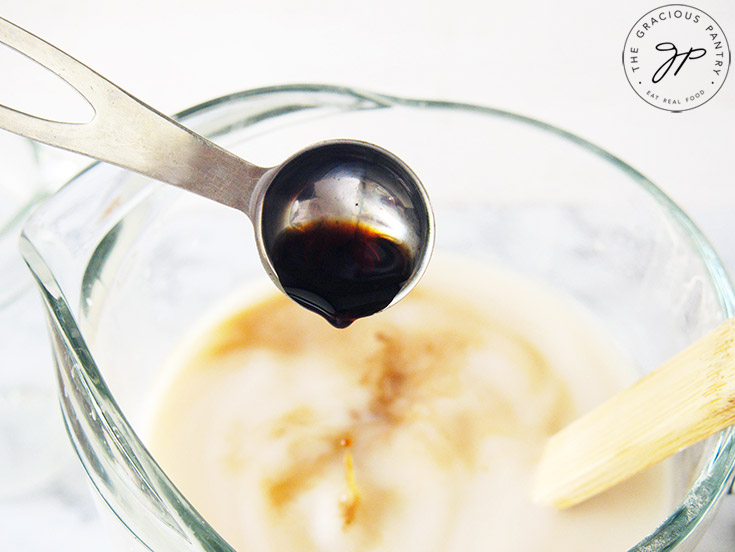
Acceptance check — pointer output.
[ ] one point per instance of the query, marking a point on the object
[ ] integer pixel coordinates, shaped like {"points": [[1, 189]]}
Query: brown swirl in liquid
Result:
{"points": [[434, 364]]}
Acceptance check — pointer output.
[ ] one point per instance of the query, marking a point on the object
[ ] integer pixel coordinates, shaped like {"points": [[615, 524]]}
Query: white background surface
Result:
{"points": [[556, 61]]}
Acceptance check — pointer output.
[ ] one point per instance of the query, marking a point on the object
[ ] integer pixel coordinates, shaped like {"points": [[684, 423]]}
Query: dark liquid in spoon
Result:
{"points": [[340, 269]]}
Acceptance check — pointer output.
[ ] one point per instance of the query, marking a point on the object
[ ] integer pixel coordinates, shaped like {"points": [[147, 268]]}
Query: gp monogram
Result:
{"points": [[676, 57]]}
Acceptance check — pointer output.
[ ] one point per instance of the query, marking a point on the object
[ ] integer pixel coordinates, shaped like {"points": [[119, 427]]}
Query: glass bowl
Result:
{"points": [[29, 439], [126, 266]]}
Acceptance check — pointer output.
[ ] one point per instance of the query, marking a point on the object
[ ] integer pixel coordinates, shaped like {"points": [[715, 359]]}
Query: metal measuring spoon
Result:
{"points": [[343, 227]]}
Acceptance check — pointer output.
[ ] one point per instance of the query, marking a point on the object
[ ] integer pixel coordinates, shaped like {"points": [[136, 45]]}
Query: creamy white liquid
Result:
{"points": [[417, 429]]}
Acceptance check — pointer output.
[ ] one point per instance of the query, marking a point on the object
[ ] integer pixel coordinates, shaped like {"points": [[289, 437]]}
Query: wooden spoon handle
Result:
{"points": [[687, 399]]}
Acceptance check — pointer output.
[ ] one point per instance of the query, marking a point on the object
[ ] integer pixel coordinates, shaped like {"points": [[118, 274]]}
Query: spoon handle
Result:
{"points": [[126, 132], [685, 400]]}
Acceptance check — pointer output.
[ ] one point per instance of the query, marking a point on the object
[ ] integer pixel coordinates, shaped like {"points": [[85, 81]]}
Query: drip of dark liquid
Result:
{"points": [[340, 269]]}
